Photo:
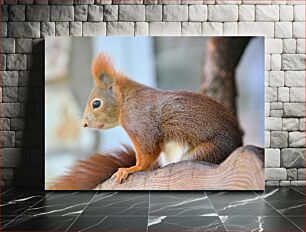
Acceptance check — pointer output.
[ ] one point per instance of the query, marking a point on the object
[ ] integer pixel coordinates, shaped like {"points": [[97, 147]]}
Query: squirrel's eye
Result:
{"points": [[96, 104]]}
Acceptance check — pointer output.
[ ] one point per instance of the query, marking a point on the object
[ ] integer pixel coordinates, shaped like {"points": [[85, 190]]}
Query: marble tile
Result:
{"points": [[110, 224], [118, 203], [258, 223], [180, 224], [61, 204], [298, 221], [286, 201], [14, 203], [41, 223], [241, 203], [301, 190], [180, 204]]}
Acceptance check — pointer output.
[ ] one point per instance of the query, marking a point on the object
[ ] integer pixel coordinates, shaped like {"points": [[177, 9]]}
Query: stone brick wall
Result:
{"points": [[24, 24]]}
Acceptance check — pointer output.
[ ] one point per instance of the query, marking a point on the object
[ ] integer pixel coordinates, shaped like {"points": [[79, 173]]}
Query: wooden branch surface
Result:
{"points": [[242, 170]]}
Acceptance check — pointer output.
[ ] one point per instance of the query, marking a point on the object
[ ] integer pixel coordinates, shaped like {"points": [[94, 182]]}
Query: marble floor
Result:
{"points": [[274, 210]]}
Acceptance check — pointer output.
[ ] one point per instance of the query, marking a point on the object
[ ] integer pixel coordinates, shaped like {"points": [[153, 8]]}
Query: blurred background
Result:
{"points": [[163, 62]]}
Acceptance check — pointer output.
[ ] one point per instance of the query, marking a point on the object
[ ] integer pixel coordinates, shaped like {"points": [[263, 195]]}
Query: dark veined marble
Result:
{"points": [[275, 209]]}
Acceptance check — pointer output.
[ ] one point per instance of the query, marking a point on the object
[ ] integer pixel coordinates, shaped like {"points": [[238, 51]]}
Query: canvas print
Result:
{"points": [[154, 113]]}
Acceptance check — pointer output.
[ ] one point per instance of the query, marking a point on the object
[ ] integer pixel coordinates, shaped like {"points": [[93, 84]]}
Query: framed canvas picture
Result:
{"points": [[154, 113]]}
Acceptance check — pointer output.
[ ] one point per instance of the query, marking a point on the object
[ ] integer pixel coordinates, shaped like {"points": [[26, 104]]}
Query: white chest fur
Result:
{"points": [[172, 152]]}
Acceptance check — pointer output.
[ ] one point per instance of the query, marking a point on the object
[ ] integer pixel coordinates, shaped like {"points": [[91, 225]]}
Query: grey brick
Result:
{"points": [[283, 29], [62, 29], [8, 138], [284, 183], [294, 109], [147, 2], [41, 2], [273, 123], [267, 139], [298, 30], [9, 94], [95, 13], [286, 13], [3, 31], [256, 28], [293, 157], [277, 78], [279, 139], [165, 28], [11, 109], [94, 28], [103, 2], [120, 28], [5, 124], [2, 62], [222, 13], [175, 13], [275, 174], [294, 78], [297, 94], [17, 12], [267, 13], [197, 13], [298, 183], [191, 29], [9, 78], [273, 46], [4, 13], [62, 13], [131, 13], [8, 45], [23, 45], [301, 174], [293, 61], [24, 29], [61, 2], [296, 139], [127, 2], [110, 13], [292, 174], [272, 183], [302, 124], [276, 106], [16, 62], [38, 13], [11, 157], [18, 123], [300, 46], [80, 12], [81, 2], [270, 94], [47, 29], [76, 28], [283, 94], [289, 45], [154, 13], [272, 158], [211, 29], [141, 29], [246, 13], [290, 124], [276, 113]]}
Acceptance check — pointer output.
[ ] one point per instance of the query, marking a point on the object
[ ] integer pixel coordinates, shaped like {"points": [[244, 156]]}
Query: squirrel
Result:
{"points": [[201, 128]]}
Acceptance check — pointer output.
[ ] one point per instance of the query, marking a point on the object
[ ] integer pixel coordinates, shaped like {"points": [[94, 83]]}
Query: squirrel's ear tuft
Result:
{"points": [[103, 71]]}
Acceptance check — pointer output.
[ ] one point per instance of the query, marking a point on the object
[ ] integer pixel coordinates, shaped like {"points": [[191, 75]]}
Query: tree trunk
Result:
{"points": [[222, 56]]}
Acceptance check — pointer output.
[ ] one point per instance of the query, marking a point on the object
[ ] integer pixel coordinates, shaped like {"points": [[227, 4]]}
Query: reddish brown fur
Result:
{"points": [[153, 117], [87, 174]]}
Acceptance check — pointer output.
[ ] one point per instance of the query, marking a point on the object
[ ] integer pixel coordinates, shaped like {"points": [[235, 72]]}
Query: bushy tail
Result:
{"points": [[87, 174]]}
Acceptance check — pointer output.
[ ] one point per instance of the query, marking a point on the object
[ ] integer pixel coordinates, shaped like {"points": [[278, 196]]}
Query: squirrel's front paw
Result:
{"points": [[120, 175]]}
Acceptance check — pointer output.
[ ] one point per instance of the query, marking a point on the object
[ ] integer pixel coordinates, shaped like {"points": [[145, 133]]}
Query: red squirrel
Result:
{"points": [[201, 128]]}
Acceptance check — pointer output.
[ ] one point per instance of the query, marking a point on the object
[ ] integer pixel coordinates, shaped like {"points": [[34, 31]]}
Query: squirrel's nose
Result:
{"points": [[84, 123]]}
